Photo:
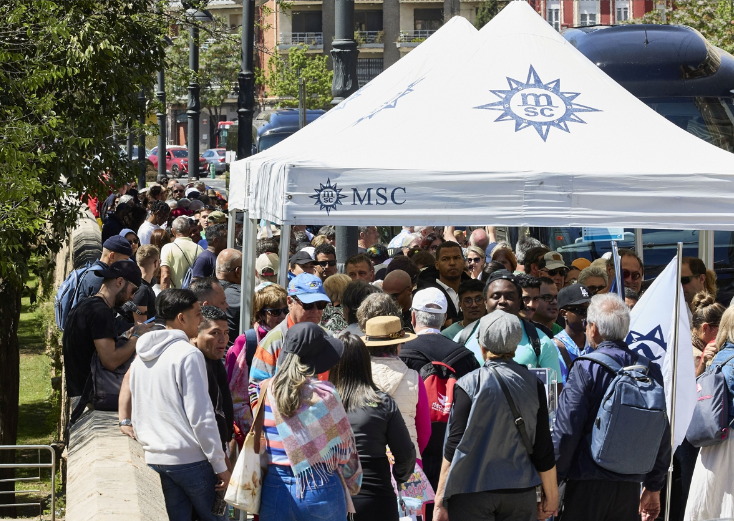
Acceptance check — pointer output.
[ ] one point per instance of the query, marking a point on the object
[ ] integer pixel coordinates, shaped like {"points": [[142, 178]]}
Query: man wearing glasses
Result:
{"points": [[573, 302], [547, 312], [306, 301], [632, 269], [325, 255], [178, 191], [471, 304], [554, 268]]}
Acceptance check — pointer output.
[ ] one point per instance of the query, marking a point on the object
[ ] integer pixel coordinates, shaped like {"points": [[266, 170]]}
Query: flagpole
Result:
{"points": [[674, 366], [617, 269]]}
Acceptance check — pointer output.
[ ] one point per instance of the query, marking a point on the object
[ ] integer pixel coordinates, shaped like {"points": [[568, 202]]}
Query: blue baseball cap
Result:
{"points": [[308, 288]]}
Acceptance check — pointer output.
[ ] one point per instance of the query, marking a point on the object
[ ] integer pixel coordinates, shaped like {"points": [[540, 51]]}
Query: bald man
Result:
{"points": [[398, 285], [480, 238], [229, 273]]}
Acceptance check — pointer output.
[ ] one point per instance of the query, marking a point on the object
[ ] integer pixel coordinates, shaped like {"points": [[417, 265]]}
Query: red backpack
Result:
{"points": [[439, 379]]}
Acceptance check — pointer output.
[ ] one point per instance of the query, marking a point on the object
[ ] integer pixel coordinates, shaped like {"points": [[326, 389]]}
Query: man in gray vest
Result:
{"points": [[498, 447]]}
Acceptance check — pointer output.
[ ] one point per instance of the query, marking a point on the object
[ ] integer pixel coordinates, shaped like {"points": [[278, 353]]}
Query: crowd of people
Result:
{"points": [[412, 362]]}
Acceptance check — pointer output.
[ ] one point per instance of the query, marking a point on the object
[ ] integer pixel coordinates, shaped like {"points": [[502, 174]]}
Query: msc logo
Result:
{"points": [[537, 104], [328, 196]]}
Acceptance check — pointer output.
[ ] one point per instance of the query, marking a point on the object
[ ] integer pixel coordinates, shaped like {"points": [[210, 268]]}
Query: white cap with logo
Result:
{"points": [[431, 300]]}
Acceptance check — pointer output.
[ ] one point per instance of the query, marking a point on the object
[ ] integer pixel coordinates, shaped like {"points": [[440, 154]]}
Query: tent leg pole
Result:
{"points": [[706, 248], [347, 238], [285, 246], [639, 245], [674, 369], [231, 227], [247, 281]]}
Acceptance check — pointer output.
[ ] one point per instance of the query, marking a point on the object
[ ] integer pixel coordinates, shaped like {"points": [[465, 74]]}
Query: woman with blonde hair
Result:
{"points": [[333, 317], [712, 486], [476, 258], [313, 465]]}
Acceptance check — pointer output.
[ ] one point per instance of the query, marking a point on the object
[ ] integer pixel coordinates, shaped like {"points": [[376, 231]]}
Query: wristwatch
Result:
{"points": [[127, 422]]}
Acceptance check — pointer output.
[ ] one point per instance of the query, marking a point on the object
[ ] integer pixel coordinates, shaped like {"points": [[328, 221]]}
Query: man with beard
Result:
{"points": [[90, 326], [446, 276]]}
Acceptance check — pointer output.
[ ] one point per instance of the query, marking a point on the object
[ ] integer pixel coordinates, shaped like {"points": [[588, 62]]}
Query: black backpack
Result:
{"points": [[533, 336]]}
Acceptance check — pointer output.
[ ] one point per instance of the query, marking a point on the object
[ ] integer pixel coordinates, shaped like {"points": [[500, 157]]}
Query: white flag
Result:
{"points": [[651, 335]]}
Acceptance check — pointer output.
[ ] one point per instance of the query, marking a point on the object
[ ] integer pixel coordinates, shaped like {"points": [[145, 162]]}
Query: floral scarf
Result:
{"points": [[318, 439]]}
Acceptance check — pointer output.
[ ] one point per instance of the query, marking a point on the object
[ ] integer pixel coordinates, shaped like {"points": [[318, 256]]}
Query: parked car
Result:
{"points": [[216, 157], [281, 124], [177, 161]]}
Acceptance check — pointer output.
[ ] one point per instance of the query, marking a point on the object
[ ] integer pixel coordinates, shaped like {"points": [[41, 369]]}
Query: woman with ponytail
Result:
{"points": [[704, 327], [313, 465]]}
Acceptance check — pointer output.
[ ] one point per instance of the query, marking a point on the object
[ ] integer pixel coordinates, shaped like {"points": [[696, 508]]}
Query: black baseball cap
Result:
{"points": [[301, 257], [127, 269], [118, 245], [313, 346], [573, 295]]}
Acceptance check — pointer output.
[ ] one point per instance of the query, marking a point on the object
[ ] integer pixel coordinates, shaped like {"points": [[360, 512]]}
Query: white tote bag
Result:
{"points": [[245, 486]]}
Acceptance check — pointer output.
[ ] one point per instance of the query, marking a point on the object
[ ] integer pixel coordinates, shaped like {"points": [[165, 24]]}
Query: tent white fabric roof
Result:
{"points": [[516, 128]]}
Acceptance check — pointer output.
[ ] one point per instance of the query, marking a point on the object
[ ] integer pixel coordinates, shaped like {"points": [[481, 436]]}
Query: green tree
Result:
{"points": [[282, 78], [68, 72], [488, 10], [713, 19]]}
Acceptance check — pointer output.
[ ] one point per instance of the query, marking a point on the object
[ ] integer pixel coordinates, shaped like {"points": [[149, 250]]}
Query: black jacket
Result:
{"points": [[428, 279], [578, 406]]}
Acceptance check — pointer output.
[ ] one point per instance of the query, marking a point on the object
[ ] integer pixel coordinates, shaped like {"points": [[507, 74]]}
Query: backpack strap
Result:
{"points": [[725, 362], [606, 361], [533, 336], [519, 422], [564, 353], [467, 332], [456, 356], [185, 256]]}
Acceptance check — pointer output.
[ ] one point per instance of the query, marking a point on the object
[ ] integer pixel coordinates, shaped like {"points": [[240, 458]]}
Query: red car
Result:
{"points": [[177, 161]]}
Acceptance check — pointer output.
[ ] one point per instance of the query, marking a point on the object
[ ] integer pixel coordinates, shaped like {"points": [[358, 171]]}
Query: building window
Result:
{"points": [[554, 18], [588, 19], [235, 20], [623, 13], [367, 69], [368, 20], [427, 19], [306, 22]]}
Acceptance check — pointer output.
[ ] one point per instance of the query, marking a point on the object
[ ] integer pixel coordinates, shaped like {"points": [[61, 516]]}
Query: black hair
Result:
{"points": [[471, 285], [509, 277], [353, 296], [358, 259], [401, 262], [170, 302], [203, 288], [325, 249], [266, 245], [352, 375], [626, 252], [546, 280], [527, 281], [215, 231], [159, 206], [491, 267], [535, 256], [444, 245], [211, 314]]}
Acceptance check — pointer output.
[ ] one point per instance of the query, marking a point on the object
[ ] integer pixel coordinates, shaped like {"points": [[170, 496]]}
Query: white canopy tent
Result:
{"points": [[513, 129]]}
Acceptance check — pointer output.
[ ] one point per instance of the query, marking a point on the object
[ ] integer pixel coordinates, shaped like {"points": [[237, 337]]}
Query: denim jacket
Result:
{"points": [[727, 351]]}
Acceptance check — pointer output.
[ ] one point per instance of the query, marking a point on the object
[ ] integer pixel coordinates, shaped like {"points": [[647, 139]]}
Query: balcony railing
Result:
{"points": [[310, 39], [369, 37], [415, 36]]}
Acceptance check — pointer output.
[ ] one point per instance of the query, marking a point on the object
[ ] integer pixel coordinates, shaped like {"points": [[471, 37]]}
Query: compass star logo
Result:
{"points": [[328, 196], [537, 104]]}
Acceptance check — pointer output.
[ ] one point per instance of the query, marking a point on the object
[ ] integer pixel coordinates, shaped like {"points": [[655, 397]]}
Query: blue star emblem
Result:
{"points": [[639, 342], [537, 104], [328, 196]]}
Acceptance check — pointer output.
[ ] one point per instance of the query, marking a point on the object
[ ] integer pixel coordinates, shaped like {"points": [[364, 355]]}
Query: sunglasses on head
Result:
{"points": [[276, 312], [324, 264], [634, 275], [557, 271], [321, 305]]}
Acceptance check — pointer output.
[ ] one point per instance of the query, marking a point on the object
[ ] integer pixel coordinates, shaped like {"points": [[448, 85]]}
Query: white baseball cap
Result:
{"points": [[431, 300]]}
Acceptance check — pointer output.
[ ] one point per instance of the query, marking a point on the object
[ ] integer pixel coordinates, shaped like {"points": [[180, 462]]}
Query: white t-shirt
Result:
{"points": [[146, 230], [451, 293]]}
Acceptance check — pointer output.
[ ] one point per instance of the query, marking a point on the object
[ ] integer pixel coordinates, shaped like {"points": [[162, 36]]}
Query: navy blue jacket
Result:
{"points": [[577, 409]]}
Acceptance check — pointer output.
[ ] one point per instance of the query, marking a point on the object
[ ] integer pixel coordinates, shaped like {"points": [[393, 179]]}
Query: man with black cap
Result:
{"points": [[536, 349], [302, 262], [573, 301], [90, 326], [493, 461], [114, 249]]}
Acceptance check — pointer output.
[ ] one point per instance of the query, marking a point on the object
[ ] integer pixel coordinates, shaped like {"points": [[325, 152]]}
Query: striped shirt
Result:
{"points": [[273, 442]]}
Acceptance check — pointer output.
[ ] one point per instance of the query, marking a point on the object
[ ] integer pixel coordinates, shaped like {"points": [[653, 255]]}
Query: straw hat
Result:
{"points": [[386, 331]]}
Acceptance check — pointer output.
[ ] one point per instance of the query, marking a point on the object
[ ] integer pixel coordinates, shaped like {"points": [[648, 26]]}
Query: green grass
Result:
{"points": [[38, 412]]}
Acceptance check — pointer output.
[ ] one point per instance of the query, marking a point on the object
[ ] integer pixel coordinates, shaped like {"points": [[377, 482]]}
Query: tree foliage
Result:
{"points": [[712, 18], [488, 10], [282, 78]]}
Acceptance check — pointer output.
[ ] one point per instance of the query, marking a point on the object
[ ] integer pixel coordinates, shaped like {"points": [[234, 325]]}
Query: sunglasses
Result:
{"points": [[276, 312], [580, 311], [208, 207], [688, 279], [321, 305], [468, 301], [395, 296], [472, 260], [634, 275], [324, 264], [178, 191], [549, 298], [595, 289], [133, 241], [557, 271]]}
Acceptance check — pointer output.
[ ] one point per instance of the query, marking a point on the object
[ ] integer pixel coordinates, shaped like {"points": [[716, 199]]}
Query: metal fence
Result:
{"points": [[301, 38], [415, 36], [39, 466], [367, 69], [365, 37]]}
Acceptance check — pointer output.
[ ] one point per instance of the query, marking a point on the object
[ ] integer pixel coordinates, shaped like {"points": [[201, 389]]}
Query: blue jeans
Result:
{"points": [[319, 502], [189, 485]]}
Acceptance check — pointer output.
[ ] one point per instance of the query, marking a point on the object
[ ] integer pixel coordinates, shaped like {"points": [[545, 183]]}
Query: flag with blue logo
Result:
{"points": [[651, 335]]}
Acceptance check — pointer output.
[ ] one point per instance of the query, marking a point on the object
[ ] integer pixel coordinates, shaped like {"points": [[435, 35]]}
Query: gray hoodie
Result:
{"points": [[172, 416]]}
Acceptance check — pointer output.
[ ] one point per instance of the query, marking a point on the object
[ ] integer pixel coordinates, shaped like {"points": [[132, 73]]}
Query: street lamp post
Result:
{"points": [[246, 82], [161, 115], [193, 108], [141, 138]]}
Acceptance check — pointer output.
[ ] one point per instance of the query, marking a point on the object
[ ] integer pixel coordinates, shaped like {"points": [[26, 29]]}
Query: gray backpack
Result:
{"points": [[631, 420], [710, 422]]}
